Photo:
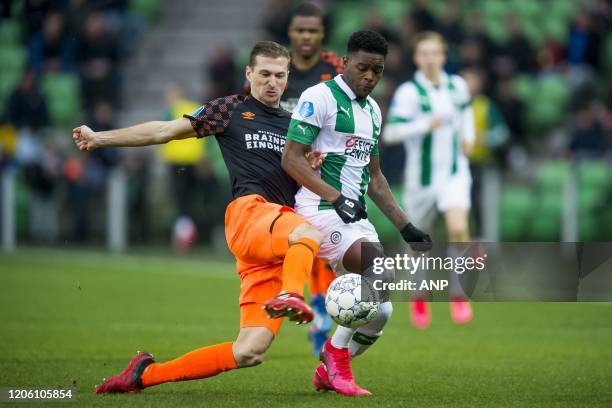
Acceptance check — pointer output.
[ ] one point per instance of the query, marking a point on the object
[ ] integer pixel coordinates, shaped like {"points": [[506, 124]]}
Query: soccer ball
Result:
{"points": [[343, 301]]}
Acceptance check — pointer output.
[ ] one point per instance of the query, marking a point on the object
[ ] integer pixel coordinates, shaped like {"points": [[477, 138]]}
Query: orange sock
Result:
{"points": [[201, 363], [325, 277], [320, 278], [298, 264]]}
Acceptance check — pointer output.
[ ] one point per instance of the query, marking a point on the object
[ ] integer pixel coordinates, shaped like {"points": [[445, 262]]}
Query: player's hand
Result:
{"points": [[84, 138], [349, 210], [466, 147], [315, 159], [435, 123], [417, 239]]}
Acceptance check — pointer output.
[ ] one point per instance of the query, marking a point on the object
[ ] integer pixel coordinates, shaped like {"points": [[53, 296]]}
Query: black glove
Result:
{"points": [[349, 210], [417, 239]]}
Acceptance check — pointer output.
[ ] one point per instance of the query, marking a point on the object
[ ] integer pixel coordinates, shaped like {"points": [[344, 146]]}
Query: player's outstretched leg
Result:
{"points": [[304, 241], [248, 350], [129, 380]]}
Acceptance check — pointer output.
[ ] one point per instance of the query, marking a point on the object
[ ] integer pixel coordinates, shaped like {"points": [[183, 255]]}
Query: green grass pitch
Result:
{"points": [[74, 317]]}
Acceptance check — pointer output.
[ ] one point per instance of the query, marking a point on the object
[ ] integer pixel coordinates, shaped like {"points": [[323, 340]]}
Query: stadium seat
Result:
{"points": [[544, 227], [548, 108], [607, 52], [147, 9], [12, 61], [594, 174], [346, 19], [523, 87], [392, 11], [63, 98], [12, 58], [10, 32], [552, 175], [516, 204]]}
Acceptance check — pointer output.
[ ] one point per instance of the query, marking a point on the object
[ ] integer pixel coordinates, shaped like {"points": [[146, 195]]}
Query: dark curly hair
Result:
{"points": [[307, 10], [368, 41]]}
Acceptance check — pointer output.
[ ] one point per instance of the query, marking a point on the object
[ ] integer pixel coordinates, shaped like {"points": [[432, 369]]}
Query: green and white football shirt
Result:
{"points": [[345, 129], [432, 157]]}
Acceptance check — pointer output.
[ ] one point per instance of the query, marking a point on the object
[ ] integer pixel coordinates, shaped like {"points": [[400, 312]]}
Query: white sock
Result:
{"points": [[365, 336], [342, 337]]}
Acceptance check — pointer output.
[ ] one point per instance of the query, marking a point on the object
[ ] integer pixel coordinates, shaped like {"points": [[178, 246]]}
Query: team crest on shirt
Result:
{"points": [[306, 109], [335, 237]]}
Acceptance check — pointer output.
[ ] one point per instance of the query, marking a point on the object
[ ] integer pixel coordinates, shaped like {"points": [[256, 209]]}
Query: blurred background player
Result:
{"points": [[432, 116], [182, 157], [309, 66], [340, 119]]}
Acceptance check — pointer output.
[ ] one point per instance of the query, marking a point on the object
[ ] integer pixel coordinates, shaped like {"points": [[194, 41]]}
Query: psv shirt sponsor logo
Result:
{"points": [[248, 115]]}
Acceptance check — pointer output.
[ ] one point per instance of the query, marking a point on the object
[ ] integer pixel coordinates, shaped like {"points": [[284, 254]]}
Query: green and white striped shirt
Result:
{"points": [[432, 157], [345, 129]]}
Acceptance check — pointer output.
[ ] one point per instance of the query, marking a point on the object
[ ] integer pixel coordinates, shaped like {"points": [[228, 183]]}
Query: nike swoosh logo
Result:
{"points": [[302, 128], [348, 113]]}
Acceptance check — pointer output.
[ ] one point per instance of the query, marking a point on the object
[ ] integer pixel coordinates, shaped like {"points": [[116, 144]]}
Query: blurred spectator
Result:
{"points": [[87, 174], [98, 55], [516, 55], [183, 158], [471, 53], [491, 133], [102, 119], [475, 31], [421, 13], [511, 109], [138, 164], [8, 142], [27, 112], [51, 50], [584, 42], [450, 26], [36, 10], [26, 107], [277, 20], [222, 73], [587, 135]]}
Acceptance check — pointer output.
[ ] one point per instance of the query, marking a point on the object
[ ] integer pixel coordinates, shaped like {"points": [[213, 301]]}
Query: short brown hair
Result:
{"points": [[268, 49], [426, 36]]}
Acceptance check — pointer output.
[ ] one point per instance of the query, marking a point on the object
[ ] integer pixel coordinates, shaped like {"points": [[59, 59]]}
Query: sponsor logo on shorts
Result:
{"points": [[335, 237]]}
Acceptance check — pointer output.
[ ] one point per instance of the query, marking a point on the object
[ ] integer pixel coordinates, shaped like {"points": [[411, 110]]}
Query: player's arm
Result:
{"points": [[205, 121], [380, 192], [144, 134], [403, 122], [296, 164]]}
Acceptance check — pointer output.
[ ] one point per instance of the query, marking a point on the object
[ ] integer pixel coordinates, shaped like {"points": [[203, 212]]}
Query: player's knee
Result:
{"points": [[306, 231], [458, 232], [248, 356], [385, 310]]}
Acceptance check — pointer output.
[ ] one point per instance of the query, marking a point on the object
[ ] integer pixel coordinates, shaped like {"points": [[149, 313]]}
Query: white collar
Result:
{"points": [[422, 79], [344, 86]]}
